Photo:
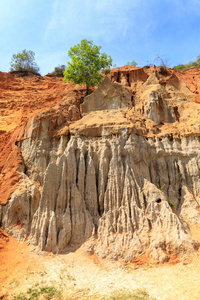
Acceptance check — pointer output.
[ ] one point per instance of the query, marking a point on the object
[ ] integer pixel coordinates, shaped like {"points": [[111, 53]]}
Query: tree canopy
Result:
{"points": [[59, 69], [132, 63], [86, 64], [24, 61]]}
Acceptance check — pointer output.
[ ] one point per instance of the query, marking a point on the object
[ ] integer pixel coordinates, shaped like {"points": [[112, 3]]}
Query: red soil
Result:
{"points": [[21, 98]]}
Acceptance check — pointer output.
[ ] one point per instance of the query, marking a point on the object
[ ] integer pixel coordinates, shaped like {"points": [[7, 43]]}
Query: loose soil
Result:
{"points": [[79, 276]]}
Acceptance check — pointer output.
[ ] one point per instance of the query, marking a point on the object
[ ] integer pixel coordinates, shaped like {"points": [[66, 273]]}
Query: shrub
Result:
{"points": [[163, 65], [132, 63], [171, 204], [128, 295], [180, 67], [59, 69], [163, 71], [194, 64], [24, 61], [48, 292]]}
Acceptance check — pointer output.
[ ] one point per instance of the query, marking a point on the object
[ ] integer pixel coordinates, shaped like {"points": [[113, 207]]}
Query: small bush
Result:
{"points": [[127, 295], [59, 69], [48, 292], [163, 65], [24, 61], [194, 64], [132, 63], [163, 71], [171, 204], [180, 67]]}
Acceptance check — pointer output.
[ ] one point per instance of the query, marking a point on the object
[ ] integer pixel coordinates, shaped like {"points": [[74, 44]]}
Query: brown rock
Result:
{"points": [[128, 75], [178, 89], [108, 96], [111, 176], [158, 110]]}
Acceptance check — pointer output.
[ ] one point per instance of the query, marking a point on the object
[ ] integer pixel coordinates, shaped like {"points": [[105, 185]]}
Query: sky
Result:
{"points": [[128, 30]]}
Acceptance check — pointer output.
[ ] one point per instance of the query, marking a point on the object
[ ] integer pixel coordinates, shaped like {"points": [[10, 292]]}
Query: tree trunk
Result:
{"points": [[87, 89]]}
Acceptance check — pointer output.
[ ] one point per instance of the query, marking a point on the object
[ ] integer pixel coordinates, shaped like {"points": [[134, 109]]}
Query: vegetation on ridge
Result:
{"points": [[132, 63], [193, 64], [86, 64], [24, 61], [59, 70]]}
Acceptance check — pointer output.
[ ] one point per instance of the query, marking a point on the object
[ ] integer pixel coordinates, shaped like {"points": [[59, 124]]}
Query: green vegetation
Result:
{"points": [[161, 188], [163, 65], [194, 64], [171, 204], [163, 71], [86, 64], [180, 67], [47, 292], [127, 295], [132, 63], [65, 275], [59, 69], [24, 61]]}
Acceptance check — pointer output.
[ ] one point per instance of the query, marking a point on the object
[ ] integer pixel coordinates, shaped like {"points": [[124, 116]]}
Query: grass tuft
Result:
{"points": [[48, 292], [128, 295]]}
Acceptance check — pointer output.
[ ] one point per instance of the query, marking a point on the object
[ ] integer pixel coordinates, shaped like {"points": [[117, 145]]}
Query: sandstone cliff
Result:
{"points": [[118, 169]]}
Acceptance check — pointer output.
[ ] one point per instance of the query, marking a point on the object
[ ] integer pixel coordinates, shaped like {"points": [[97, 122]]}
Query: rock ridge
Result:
{"points": [[117, 171]]}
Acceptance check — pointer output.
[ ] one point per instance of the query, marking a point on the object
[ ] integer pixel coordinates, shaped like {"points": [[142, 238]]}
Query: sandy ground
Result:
{"points": [[79, 276]]}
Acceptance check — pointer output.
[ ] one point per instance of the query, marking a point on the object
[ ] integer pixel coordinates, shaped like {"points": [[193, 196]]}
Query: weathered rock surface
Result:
{"points": [[125, 177], [158, 110], [192, 79], [108, 96], [178, 89], [128, 76], [103, 123], [112, 186], [18, 214]]}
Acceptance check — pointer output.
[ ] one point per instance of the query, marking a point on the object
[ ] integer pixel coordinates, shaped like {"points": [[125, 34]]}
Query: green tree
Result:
{"points": [[86, 64], [132, 63], [59, 69], [24, 61]]}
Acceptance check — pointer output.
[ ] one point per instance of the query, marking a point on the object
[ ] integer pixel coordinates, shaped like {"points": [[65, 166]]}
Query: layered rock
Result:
{"points": [[159, 110], [108, 96], [112, 186], [178, 89], [112, 176], [128, 76], [18, 214]]}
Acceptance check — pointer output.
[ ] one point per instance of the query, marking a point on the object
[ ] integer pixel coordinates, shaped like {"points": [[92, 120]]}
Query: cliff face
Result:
{"points": [[123, 176]]}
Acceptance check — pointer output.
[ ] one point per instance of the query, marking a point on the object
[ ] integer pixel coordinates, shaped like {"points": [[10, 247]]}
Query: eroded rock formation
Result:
{"points": [[120, 178], [107, 96]]}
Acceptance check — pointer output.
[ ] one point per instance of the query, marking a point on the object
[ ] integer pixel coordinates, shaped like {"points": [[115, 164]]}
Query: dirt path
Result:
{"points": [[80, 277]]}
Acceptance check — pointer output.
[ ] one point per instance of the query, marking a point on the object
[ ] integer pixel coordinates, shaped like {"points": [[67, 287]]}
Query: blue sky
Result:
{"points": [[126, 29]]}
